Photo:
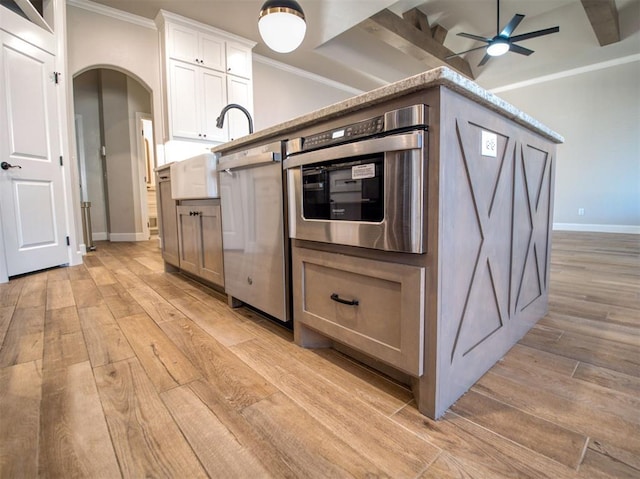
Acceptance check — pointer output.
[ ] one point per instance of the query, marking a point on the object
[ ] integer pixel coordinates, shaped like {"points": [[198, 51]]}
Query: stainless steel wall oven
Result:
{"points": [[361, 184]]}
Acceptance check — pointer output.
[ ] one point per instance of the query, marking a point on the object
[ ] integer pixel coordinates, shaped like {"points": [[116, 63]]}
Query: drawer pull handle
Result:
{"points": [[338, 299]]}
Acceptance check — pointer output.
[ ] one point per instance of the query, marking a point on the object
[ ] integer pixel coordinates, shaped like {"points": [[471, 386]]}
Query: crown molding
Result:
{"points": [[568, 73], [113, 13], [305, 74]]}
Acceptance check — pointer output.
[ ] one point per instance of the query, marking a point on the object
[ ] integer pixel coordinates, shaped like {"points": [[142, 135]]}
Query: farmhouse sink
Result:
{"points": [[195, 178]]}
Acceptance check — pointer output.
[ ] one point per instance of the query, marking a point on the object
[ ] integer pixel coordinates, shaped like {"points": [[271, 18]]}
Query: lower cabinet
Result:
{"points": [[167, 214], [200, 239], [373, 306]]}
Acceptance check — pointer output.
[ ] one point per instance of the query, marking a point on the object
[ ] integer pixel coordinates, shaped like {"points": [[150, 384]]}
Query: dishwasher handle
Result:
{"points": [[253, 157]]}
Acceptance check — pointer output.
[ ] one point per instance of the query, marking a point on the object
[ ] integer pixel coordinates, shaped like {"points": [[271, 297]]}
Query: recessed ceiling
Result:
{"points": [[335, 49]]}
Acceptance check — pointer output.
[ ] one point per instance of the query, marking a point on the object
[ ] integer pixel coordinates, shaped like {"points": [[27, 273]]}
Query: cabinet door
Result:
{"points": [[212, 52], [211, 265], [183, 44], [239, 90], [184, 101], [213, 99], [168, 222], [239, 60], [189, 239]]}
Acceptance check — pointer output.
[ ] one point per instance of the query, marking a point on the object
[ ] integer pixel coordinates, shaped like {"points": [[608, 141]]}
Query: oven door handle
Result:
{"points": [[411, 141]]}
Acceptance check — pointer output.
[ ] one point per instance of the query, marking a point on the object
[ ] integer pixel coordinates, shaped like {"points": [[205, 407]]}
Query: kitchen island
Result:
{"points": [[441, 313]]}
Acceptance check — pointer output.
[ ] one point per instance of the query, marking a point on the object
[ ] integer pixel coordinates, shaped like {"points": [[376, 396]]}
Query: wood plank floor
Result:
{"points": [[118, 369]]}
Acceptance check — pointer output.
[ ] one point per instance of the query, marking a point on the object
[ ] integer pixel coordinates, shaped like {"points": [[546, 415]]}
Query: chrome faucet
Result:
{"points": [[220, 119]]}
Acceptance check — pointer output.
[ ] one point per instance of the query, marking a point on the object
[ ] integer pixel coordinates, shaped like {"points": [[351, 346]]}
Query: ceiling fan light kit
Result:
{"points": [[504, 42], [282, 25], [498, 47]]}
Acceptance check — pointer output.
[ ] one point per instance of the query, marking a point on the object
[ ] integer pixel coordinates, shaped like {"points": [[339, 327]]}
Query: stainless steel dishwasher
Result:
{"points": [[256, 248]]}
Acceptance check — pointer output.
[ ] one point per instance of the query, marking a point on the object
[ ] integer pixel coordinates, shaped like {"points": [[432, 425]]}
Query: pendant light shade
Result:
{"points": [[282, 25]]}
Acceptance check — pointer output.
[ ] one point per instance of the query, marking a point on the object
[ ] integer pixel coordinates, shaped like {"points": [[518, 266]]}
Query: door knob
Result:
{"points": [[5, 166]]}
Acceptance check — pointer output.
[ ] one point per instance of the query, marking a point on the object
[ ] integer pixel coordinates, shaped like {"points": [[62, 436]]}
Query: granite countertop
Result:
{"points": [[438, 76]]}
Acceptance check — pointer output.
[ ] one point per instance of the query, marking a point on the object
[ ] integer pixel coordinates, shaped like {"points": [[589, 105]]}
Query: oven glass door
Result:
{"points": [[369, 193], [344, 190]]}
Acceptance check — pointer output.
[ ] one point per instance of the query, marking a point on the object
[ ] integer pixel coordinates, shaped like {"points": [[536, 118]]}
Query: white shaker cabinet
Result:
{"points": [[189, 45], [197, 96], [239, 60], [240, 91], [204, 70]]}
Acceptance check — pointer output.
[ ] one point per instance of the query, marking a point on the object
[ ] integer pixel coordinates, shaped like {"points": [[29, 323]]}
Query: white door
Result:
{"points": [[31, 191]]}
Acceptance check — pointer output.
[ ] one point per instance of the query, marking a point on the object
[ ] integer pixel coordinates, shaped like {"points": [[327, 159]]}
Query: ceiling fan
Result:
{"points": [[503, 42]]}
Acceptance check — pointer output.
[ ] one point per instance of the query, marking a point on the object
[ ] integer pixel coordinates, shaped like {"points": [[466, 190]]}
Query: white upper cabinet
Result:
{"points": [[239, 60], [204, 70], [197, 96], [239, 91], [196, 47]]}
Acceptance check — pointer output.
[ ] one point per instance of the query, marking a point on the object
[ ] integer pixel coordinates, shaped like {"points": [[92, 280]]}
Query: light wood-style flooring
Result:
{"points": [[118, 369]]}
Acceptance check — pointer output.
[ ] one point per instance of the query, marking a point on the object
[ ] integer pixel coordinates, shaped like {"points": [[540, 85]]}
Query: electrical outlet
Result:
{"points": [[580, 211], [489, 145]]}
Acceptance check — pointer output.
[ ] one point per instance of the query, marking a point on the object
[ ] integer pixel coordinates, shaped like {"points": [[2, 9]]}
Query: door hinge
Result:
{"points": [[60, 160], [56, 77], [68, 241]]}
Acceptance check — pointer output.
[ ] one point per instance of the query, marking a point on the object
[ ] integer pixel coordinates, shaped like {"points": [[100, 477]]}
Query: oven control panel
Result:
{"points": [[406, 118], [365, 128]]}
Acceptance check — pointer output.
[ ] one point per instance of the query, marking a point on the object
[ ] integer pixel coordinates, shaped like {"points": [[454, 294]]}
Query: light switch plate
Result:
{"points": [[489, 145]]}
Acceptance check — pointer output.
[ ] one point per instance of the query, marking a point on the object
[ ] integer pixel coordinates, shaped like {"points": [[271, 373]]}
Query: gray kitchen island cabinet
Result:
{"points": [[200, 239], [437, 307], [168, 220]]}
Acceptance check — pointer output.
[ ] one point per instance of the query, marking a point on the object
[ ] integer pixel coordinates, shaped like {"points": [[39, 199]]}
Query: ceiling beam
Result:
{"points": [[439, 33], [418, 19], [603, 16], [406, 37]]}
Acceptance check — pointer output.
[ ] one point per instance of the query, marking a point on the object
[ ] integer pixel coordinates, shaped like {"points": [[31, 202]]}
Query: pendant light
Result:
{"points": [[282, 25]]}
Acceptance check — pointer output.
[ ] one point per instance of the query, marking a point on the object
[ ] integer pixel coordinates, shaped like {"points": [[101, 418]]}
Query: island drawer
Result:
{"points": [[372, 306]]}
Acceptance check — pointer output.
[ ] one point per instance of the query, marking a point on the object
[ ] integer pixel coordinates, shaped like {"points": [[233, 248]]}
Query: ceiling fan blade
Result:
{"points": [[512, 25], [474, 37], [466, 51], [521, 50], [484, 60], [537, 33]]}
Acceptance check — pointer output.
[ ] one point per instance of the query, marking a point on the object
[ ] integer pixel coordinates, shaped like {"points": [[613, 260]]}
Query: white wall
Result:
{"points": [[96, 40], [281, 93], [598, 168]]}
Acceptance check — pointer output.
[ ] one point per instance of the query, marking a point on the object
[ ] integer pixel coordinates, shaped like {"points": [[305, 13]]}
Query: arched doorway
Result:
{"points": [[113, 113]]}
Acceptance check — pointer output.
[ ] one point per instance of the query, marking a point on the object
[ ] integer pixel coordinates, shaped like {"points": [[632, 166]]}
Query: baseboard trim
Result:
{"points": [[99, 236], [627, 229], [117, 237]]}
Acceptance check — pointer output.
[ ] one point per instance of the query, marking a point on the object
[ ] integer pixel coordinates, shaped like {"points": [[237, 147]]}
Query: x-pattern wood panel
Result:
{"points": [[535, 168], [488, 182]]}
